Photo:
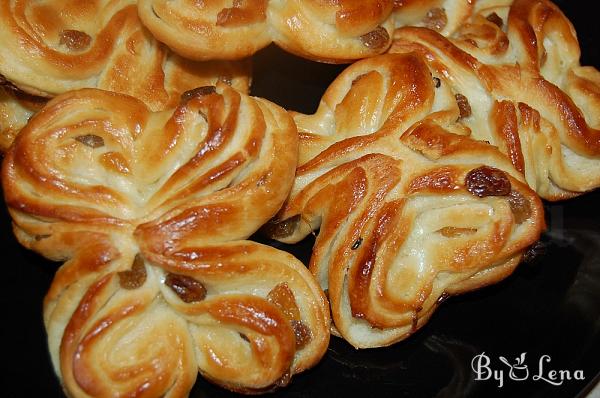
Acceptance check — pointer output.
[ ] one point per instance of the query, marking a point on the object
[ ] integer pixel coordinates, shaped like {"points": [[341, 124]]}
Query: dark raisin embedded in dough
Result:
{"points": [[74, 39], [187, 288], [520, 207], [376, 39], [495, 19], [302, 333], [437, 82], [282, 229], [91, 140], [135, 277], [436, 19], [463, 105], [198, 92], [487, 181], [225, 16], [244, 337], [357, 244]]}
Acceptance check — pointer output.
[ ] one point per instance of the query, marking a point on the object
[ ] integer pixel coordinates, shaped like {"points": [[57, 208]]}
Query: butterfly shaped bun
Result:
{"points": [[150, 212], [410, 209]]}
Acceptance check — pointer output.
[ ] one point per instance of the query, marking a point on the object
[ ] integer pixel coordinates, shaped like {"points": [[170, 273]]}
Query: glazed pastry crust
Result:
{"points": [[327, 31], [409, 208], [150, 212], [50, 47], [517, 63]]}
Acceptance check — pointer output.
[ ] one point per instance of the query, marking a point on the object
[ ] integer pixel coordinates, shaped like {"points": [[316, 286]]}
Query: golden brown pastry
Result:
{"points": [[515, 66], [410, 208], [329, 31], [150, 212], [49, 47]]}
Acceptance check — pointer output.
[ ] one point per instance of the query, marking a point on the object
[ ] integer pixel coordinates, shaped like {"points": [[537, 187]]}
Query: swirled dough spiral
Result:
{"points": [[410, 208], [517, 65], [323, 30], [150, 212]]}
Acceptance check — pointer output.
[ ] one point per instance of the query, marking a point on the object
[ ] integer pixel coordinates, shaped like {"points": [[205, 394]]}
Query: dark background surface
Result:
{"points": [[551, 305]]}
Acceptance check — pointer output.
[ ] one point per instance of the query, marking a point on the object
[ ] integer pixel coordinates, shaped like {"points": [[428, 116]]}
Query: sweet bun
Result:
{"points": [[516, 65], [409, 208], [150, 212]]}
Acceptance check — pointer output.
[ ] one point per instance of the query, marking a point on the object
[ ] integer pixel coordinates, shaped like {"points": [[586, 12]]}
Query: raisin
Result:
{"points": [[495, 19], [437, 82], [436, 19], [91, 140], [74, 39], [198, 92], [487, 181], [376, 39], [282, 229], [463, 105], [187, 288], [135, 277], [520, 206], [244, 337], [302, 333], [283, 297]]}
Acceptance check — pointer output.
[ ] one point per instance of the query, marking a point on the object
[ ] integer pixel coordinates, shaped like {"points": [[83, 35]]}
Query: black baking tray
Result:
{"points": [[549, 306]]}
